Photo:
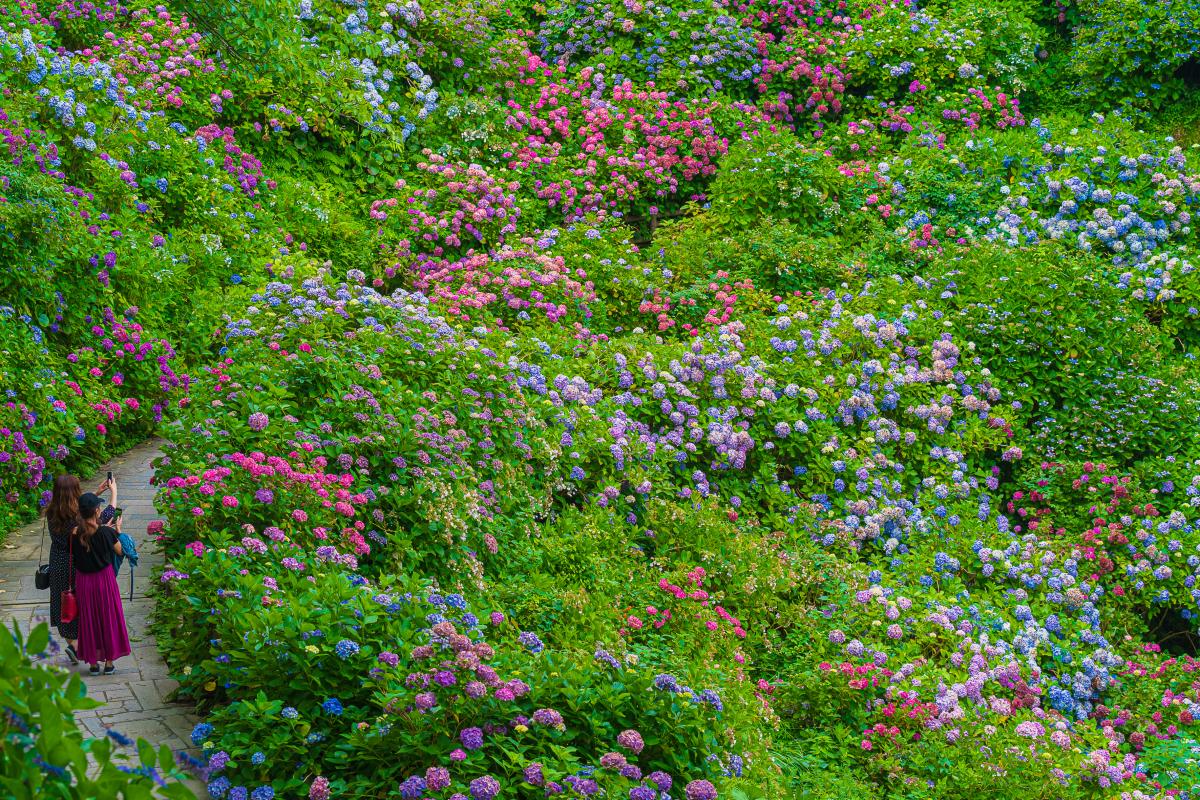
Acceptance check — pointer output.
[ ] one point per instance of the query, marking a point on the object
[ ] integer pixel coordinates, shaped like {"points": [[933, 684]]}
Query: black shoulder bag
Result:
{"points": [[41, 578]]}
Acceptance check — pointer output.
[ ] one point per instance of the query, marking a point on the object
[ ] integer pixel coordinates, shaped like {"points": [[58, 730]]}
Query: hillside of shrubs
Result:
{"points": [[647, 399]]}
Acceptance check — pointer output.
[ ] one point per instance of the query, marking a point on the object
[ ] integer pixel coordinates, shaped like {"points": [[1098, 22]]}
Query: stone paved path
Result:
{"points": [[136, 694]]}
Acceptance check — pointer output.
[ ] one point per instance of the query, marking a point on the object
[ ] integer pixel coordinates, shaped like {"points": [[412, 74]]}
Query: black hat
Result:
{"points": [[89, 504]]}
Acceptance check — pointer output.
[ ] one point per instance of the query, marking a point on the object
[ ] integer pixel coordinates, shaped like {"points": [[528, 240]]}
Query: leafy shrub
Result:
{"points": [[1119, 59], [45, 755]]}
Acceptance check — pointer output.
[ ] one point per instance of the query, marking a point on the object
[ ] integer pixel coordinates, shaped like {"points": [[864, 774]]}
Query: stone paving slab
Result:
{"points": [[135, 696]]}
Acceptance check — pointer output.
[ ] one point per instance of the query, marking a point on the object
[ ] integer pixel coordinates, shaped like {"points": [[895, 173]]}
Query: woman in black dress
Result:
{"points": [[62, 516]]}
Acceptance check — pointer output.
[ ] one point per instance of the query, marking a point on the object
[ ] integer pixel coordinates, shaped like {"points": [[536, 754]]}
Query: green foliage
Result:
{"points": [[45, 755], [772, 176]]}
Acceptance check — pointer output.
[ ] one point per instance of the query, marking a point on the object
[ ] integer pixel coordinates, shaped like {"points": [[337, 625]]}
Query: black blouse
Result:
{"points": [[100, 553]]}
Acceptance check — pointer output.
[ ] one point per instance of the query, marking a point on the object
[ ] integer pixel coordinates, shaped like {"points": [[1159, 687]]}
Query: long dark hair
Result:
{"points": [[62, 513], [89, 507]]}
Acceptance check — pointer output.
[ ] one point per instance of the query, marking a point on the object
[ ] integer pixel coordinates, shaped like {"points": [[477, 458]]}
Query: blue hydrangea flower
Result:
{"points": [[531, 641], [201, 732]]}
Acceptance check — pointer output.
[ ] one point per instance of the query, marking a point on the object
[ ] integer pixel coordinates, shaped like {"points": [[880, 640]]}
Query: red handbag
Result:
{"points": [[68, 605]]}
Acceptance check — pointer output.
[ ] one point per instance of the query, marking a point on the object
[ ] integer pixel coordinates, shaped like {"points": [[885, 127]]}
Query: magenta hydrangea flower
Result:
{"points": [[319, 788]]}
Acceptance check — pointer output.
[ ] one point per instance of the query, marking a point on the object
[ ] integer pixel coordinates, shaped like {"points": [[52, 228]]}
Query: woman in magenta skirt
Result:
{"points": [[62, 517], [102, 634]]}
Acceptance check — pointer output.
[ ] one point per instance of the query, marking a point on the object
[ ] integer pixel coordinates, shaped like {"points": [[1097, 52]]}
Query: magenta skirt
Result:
{"points": [[102, 634]]}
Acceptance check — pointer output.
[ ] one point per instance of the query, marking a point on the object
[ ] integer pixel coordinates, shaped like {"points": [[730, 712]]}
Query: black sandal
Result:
{"points": [[110, 669], [72, 655], [94, 669]]}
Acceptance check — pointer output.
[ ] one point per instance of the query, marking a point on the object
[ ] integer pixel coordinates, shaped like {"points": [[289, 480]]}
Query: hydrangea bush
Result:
{"points": [[658, 399]]}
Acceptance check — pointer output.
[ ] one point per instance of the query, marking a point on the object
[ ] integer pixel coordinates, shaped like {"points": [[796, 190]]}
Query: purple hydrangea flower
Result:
{"points": [[471, 738], [631, 740], [485, 788], [533, 774], [548, 717], [412, 787], [437, 778]]}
